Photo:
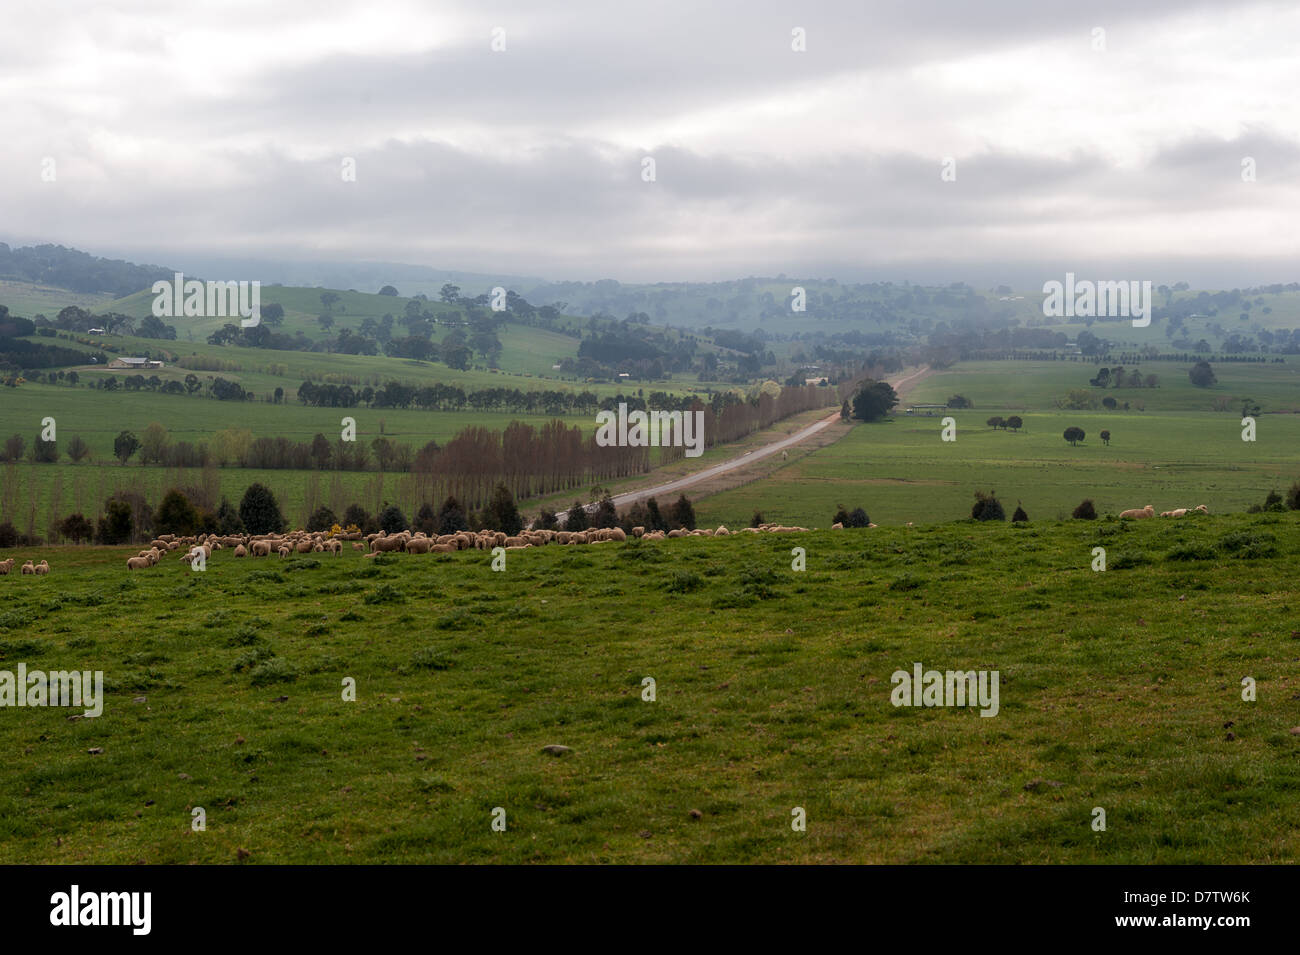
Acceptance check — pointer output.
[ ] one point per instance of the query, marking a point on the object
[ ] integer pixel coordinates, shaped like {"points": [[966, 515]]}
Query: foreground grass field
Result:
{"points": [[1119, 690]]}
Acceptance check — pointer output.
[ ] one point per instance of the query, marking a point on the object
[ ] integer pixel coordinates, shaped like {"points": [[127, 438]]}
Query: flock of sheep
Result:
{"points": [[301, 542], [28, 568], [1138, 513]]}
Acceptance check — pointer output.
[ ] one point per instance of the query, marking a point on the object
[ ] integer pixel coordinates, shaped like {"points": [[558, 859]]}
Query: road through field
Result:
{"points": [[749, 457]]}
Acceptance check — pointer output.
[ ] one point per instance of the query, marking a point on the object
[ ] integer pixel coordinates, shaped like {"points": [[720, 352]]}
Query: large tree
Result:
{"points": [[502, 514], [874, 400], [125, 445], [176, 515], [1202, 375]]}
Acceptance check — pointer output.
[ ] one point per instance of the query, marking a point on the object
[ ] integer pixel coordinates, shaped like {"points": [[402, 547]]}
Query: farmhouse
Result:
{"points": [[137, 364], [928, 410]]}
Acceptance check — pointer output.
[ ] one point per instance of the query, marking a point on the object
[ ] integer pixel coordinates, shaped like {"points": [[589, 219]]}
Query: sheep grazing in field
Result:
{"points": [[6, 566], [240, 552], [357, 545], [1137, 513], [137, 563], [837, 526], [419, 545], [439, 549], [29, 568], [261, 548], [284, 551], [1201, 509], [42, 568], [636, 532], [722, 531]]}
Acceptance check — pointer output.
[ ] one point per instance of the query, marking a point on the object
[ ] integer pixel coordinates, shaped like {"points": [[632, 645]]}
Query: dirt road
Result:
{"points": [[900, 384]]}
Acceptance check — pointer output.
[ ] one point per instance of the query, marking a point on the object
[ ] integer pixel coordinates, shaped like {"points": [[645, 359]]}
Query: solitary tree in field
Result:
{"points": [[1014, 423], [77, 449], [1074, 435], [76, 528], [125, 445], [874, 400], [1105, 438], [1202, 375], [996, 422]]}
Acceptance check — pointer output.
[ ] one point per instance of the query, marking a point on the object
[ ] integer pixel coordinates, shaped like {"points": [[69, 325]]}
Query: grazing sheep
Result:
{"points": [[837, 526], [419, 545], [6, 566], [137, 563], [284, 552], [42, 568], [261, 548], [442, 548], [1179, 512], [869, 524], [29, 568], [677, 533], [636, 532], [357, 545], [1138, 513], [1201, 508], [240, 552]]}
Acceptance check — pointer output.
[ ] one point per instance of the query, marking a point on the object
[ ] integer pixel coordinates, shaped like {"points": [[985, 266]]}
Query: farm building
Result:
{"points": [[137, 364]]}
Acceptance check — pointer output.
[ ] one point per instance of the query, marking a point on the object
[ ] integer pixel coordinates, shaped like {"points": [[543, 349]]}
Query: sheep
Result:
{"points": [[1138, 513], [440, 548], [419, 545], [1179, 512], [636, 532], [1201, 508], [261, 548], [357, 545], [42, 568], [284, 552], [29, 568], [677, 533], [137, 563], [6, 566], [240, 552]]}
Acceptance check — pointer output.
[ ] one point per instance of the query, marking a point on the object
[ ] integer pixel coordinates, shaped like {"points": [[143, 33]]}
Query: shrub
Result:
{"points": [[857, 518], [757, 519], [682, 514], [1020, 516], [987, 507], [501, 513], [576, 519], [1085, 511], [391, 519], [322, 519], [260, 512], [683, 582], [176, 515], [275, 670], [1293, 497]]}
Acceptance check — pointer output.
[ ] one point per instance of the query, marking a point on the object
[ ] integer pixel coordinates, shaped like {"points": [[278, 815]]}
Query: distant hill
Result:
{"points": [[77, 271]]}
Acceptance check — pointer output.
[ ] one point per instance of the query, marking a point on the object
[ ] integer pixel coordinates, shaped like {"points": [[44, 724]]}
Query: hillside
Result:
{"points": [[773, 691]]}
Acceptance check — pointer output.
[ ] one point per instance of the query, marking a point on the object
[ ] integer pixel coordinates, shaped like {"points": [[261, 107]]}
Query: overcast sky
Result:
{"points": [[185, 130]]}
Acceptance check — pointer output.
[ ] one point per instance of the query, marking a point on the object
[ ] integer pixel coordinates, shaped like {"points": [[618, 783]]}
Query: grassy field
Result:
{"points": [[1118, 690], [1009, 386], [1177, 453]]}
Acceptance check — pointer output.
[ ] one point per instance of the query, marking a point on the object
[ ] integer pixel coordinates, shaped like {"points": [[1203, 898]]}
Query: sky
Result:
{"points": [[1010, 140]]}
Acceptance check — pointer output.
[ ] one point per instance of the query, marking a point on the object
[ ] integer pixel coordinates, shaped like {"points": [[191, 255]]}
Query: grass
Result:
{"points": [[772, 692]]}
